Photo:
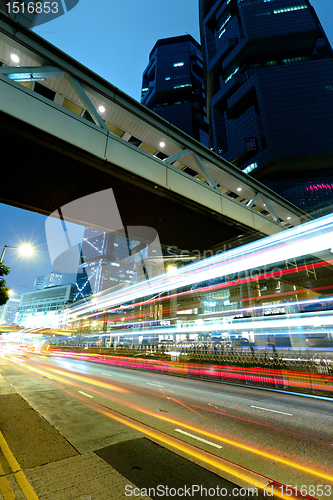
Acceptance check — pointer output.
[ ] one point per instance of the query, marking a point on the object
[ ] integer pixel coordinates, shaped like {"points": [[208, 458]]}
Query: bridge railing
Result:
{"points": [[54, 77]]}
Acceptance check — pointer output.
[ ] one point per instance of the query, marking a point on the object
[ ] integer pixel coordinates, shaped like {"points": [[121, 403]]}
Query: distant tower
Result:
{"points": [[173, 86], [106, 263], [51, 279], [9, 312], [269, 83]]}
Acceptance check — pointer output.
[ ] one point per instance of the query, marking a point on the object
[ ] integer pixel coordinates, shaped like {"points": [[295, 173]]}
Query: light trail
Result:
{"points": [[204, 457], [244, 447], [177, 423], [220, 286], [223, 465], [299, 322], [88, 380], [207, 433], [282, 378], [312, 237], [206, 409]]}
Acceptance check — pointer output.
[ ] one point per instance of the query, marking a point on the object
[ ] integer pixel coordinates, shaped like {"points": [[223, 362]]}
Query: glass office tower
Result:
{"points": [[173, 85], [105, 263], [269, 85]]}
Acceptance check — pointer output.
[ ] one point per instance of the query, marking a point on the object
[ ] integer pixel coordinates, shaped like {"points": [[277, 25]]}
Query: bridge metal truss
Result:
{"points": [[56, 94]]}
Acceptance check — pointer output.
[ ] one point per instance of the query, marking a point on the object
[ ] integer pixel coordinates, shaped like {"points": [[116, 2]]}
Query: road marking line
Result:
{"points": [[266, 409], [18, 473], [108, 374], [198, 438], [88, 395], [157, 385], [5, 489], [25, 486]]}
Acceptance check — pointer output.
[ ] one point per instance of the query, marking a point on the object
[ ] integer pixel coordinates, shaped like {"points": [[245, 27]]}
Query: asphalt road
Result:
{"points": [[247, 436]]}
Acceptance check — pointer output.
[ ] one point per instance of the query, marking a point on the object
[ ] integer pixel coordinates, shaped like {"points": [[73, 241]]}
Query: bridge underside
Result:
{"points": [[71, 134], [44, 173]]}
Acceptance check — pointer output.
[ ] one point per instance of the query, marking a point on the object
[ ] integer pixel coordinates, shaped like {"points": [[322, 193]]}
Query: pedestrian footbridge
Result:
{"points": [[67, 133]]}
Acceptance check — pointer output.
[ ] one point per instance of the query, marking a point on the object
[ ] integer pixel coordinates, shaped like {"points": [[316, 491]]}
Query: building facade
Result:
{"points": [[173, 85], [40, 308], [105, 263], [269, 85], [51, 279], [9, 312]]}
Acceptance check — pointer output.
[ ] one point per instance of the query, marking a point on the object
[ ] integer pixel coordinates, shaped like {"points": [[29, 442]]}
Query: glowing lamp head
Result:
{"points": [[171, 269], [26, 250], [15, 58]]}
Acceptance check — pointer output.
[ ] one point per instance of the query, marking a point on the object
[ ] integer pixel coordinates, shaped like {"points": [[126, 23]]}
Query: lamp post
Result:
{"points": [[24, 250]]}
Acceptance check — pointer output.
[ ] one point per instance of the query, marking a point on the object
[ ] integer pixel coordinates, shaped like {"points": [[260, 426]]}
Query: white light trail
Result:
{"points": [[309, 238]]}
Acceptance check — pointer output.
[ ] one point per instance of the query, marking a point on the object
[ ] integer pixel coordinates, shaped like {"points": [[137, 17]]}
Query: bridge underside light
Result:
{"points": [[24, 77], [15, 58]]}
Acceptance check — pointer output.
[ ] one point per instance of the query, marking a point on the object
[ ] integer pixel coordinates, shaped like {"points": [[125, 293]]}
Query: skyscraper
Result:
{"points": [[105, 263], [51, 279], [9, 311], [173, 86], [41, 308], [269, 84]]}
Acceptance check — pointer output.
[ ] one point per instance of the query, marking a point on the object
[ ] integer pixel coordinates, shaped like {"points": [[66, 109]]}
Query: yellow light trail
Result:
{"points": [[228, 441], [79, 378], [231, 442], [244, 447], [174, 443], [88, 380]]}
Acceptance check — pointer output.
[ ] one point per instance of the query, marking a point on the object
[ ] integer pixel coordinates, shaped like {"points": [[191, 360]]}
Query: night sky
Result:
{"points": [[113, 39]]}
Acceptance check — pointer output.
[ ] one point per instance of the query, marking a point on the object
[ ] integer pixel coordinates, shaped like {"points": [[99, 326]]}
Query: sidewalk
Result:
{"points": [[38, 463], [53, 447]]}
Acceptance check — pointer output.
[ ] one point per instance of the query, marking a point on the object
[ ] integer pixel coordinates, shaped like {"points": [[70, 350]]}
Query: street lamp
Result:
{"points": [[172, 269], [24, 250]]}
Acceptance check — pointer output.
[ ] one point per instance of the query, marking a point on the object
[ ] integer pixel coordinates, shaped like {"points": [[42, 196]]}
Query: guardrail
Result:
{"points": [[312, 378]]}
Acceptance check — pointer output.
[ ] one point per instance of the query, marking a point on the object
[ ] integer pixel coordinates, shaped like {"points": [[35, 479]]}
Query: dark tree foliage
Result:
{"points": [[4, 295]]}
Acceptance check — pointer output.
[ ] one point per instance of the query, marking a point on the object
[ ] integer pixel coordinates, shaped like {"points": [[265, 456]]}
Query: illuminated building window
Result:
{"points": [[295, 59], [222, 30], [317, 187], [290, 9], [251, 167], [231, 75], [181, 86]]}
